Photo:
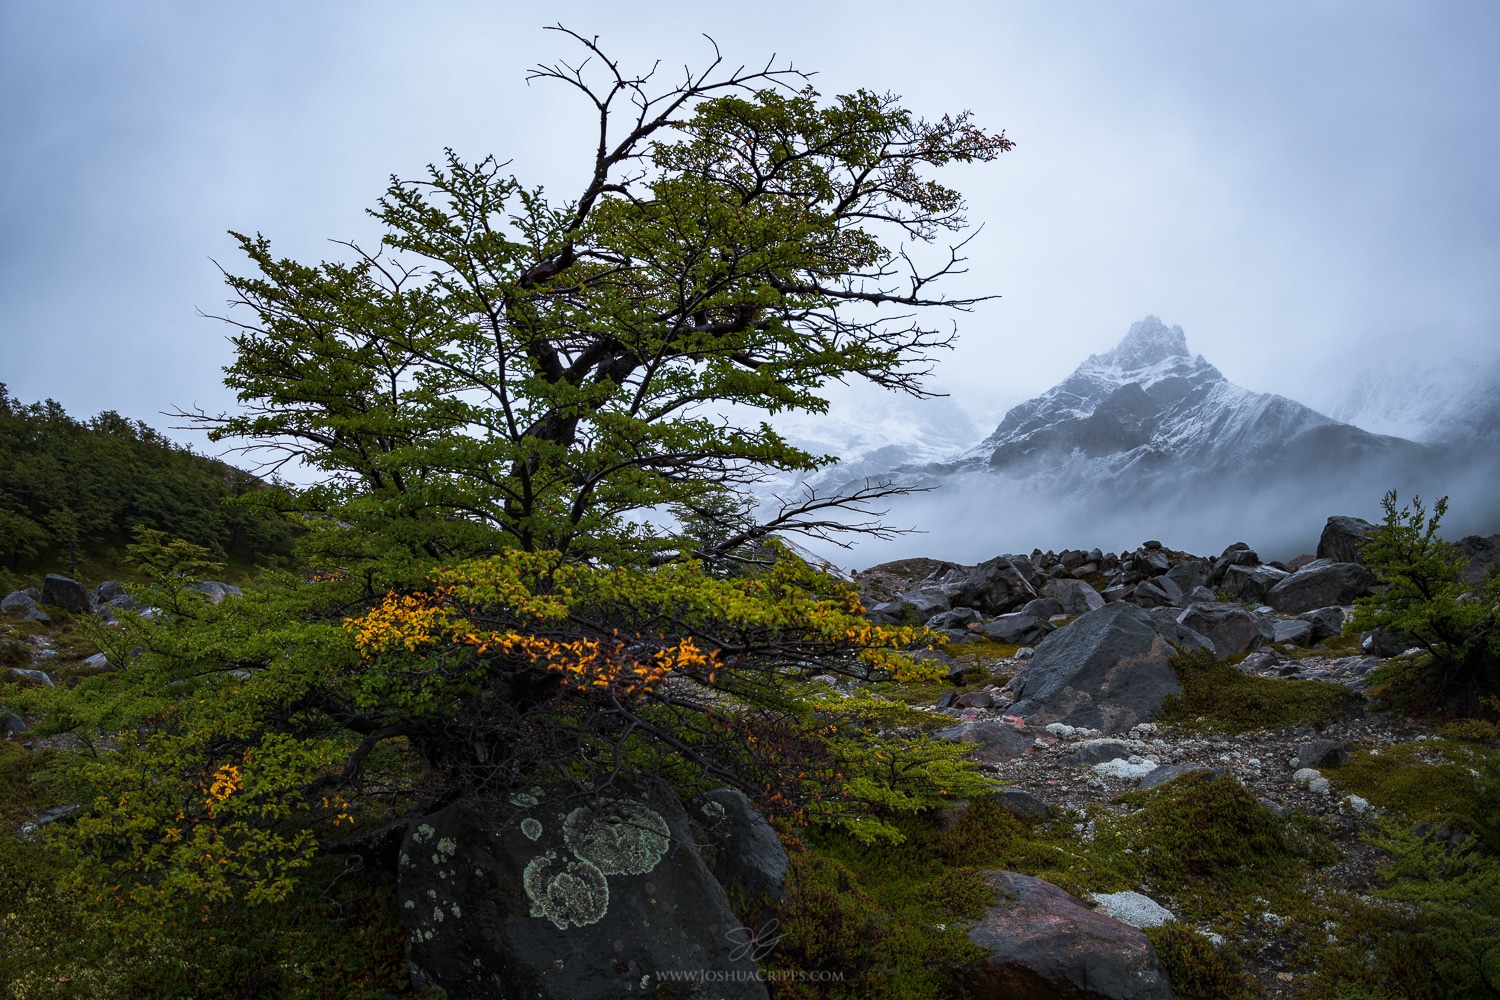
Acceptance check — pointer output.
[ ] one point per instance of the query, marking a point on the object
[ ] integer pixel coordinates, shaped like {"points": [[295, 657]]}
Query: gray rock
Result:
{"points": [[1191, 573], [39, 676], [1342, 537], [1484, 556], [1251, 583], [1199, 595], [1322, 753], [66, 593], [109, 590], [214, 590], [1229, 627], [1108, 670], [1091, 752], [1383, 642], [1114, 593], [955, 669], [1168, 772], [747, 857], [997, 585], [1238, 554], [1326, 622], [974, 699], [1023, 805], [23, 603], [1298, 633], [1075, 596], [563, 899], [996, 740], [956, 618], [1042, 943], [1016, 629], [1042, 607], [1319, 584], [1162, 592], [12, 724], [20, 599]]}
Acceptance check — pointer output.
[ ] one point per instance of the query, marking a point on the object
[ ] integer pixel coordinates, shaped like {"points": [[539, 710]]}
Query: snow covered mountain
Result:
{"points": [[1150, 440], [1455, 404]]}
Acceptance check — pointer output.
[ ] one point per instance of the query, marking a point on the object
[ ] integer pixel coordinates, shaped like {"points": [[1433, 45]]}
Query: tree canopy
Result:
{"points": [[510, 370]]}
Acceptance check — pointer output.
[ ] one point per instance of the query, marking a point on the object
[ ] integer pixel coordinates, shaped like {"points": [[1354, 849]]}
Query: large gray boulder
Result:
{"points": [[1484, 555], [553, 898], [1238, 554], [1326, 622], [1190, 573], [995, 740], [1251, 583], [1042, 943], [997, 585], [743, 850], [1161, 592], [1229, 627], [1320, 584], [1075, 596], [66, 593], [1342, 537], [1108, 670], [23, 603], [1017, 629]]}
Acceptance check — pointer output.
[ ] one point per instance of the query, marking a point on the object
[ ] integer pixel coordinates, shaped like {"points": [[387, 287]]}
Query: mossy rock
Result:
{"points": [[1216, 697]]}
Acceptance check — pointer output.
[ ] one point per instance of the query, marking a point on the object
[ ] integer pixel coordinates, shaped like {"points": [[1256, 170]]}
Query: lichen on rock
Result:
{"points": [[618, 836], [577, 894], [531, 828]]}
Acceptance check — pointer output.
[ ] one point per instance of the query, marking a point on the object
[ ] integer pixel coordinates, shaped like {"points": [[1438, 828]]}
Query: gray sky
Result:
{"points": [[1300, 185]]}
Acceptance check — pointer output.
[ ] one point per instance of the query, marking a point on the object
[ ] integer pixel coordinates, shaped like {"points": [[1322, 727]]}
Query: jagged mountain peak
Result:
{"points": [[1148, 343]]}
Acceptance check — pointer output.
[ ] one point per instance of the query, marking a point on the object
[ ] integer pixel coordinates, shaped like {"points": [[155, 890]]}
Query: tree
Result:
{"points": [[506, 371], [1426, 600], [496, 396]]}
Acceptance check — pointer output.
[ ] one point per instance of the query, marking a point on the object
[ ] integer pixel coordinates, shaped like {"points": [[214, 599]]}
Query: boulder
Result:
{"points": [[1238, 554], [12, 724], [743, 851], [1023, 805], [1384, 642], [1484, 556], [1322, 753], [957, 618], [1017, 629], [1075, 596], [1091, 752], [1160, 592], [1108, 670], [214, 590], [1326, 622], [1190, 573], [997, 585], [954, 668], [974, 699], [1320, 584], [565, 897], [1229, 627], [23, 603], [996, 740], [1251, 583], [1342, 537], [1042, 943], [1166, 773], [1199, 595], [1296, 632], [1043, 607], [66, 593], [38, 676]]}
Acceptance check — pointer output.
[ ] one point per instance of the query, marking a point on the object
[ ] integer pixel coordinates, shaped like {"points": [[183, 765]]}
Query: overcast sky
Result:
{"points": [[1300, 185]]}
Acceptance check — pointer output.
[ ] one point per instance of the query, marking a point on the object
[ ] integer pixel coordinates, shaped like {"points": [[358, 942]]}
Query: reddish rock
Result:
{"points": [[1045, 944]]}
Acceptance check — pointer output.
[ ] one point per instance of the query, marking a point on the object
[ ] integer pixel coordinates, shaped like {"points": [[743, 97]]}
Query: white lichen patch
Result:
{"points": [[713, 810], [618, 836], [531, 828], [447, 846], [572, 892], [424, 833], [523, 800]]}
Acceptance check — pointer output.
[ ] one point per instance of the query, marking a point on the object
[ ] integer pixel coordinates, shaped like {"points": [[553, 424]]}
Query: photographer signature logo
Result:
{"points": [[754, 944]]}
